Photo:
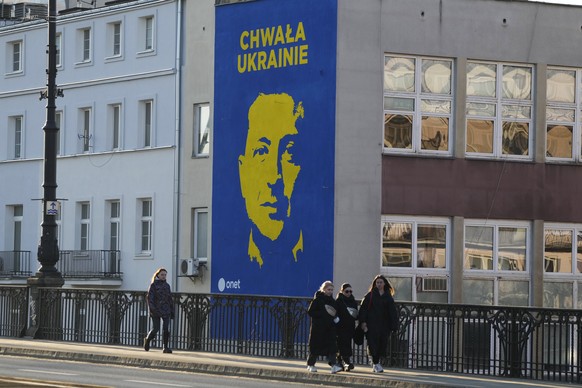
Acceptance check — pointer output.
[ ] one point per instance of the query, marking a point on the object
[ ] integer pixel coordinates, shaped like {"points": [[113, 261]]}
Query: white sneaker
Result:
{"points": [[336, 368], [377, 368], [311, 369]]}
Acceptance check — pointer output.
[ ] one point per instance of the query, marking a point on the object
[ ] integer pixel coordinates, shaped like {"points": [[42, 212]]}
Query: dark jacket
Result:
{"points": [[347, 324], [380, 314], [322, 332], [160, 301]]}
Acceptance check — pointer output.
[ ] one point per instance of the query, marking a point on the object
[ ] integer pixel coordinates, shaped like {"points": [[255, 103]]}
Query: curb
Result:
{"points": [[217, 369]]}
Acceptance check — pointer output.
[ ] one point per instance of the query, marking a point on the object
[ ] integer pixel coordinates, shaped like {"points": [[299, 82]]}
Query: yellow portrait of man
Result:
{"points": [[268, 171]]}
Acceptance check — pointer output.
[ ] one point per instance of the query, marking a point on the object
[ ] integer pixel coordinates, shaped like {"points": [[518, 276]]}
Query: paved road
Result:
{"points": [[28, 372], [243, 366]]}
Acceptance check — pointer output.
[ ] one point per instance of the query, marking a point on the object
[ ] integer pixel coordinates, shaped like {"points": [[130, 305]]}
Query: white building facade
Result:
{"points": [[117, 159]]}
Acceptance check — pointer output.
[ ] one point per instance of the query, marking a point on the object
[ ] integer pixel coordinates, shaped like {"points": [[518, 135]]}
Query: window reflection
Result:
{"points": [[512, 249], [480, 136], [558, 251], [397, 131], [399, 74], [579, 253], [517, 82], [559, 141], [435, 133], [436, 77], [515, 138], [561, 85], [431, 246], [481, 79], [478, 247], [397, 244]]}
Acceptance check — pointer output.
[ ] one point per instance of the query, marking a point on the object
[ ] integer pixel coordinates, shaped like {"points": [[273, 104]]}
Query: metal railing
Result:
{"points": [[530, 343], [15, 264], [90, 264]]}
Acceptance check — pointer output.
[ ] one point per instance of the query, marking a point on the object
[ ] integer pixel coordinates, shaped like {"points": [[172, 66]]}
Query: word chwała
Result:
{"points": [[278, 46]]}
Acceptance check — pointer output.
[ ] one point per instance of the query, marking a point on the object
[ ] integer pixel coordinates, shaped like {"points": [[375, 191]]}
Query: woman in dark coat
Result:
{"points": [[161, 306], [347, 311], [378, 317], [322, 332]]}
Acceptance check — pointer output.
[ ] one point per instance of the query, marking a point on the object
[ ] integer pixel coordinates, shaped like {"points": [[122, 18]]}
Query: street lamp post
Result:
{"points": [[48, 249]]}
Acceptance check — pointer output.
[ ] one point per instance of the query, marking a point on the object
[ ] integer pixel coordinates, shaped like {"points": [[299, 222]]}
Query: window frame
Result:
{"points": [[85, 133], [146, 122], [84, 226], [145, 219], [417, 112], [198, 145], [195, 237], [17, 56], [115, 126], [17, 136], [498, 118], [414, 275], [576, 106]]}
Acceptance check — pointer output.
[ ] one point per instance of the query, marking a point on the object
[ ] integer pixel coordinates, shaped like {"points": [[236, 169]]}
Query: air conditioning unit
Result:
{"points": [[189, 267], [435, 285]]}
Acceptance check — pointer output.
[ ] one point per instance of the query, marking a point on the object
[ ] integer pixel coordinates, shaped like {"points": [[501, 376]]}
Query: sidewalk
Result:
{"points": [[249, 366]]}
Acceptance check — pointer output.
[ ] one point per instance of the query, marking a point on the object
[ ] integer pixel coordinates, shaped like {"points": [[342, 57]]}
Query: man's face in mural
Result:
{"points": [[267, 169]]}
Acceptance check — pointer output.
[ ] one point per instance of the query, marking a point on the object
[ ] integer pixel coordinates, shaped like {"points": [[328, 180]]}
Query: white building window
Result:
{"points": [[146, 225], [199, 237], [415, 256], [16, 57], [114, 39], [146, 34], [59, 124], [496, 263], [85, 128], [418, 99], [146, 120], [17, 218], [114, 135], [563, 115], [201, 145], [16, 136], [58, 44], [114, 225], [84, 45], [84, 225], [499, 110]]}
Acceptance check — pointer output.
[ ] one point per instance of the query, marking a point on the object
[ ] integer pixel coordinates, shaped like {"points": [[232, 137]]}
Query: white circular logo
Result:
{"points": [[221, 284]]}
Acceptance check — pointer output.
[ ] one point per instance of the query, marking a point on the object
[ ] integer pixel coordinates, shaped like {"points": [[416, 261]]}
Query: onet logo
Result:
{"points": [[228, 284]]}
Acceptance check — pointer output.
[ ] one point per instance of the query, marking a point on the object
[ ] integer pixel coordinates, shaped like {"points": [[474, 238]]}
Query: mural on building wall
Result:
{"points": [[273, 151]]}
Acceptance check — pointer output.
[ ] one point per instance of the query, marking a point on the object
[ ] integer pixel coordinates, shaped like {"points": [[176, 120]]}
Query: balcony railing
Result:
{"points": [[90, 264], [15, 264]]}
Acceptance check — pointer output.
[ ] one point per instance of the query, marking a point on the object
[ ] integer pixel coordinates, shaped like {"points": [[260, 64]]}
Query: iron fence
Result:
{"points": [[90, 264], [531, 343], [13, 311], [15, 264]]}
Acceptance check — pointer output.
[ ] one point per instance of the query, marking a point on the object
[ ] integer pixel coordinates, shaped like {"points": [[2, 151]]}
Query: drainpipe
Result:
{"points": [[178, 150]]}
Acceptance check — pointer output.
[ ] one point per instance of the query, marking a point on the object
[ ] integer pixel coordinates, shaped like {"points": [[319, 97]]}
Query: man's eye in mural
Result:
{"points": [[289, 152], [264, 150]]}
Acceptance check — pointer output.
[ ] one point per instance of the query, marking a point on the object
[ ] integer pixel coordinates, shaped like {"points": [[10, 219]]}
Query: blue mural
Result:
{"points": [[273, 147]]}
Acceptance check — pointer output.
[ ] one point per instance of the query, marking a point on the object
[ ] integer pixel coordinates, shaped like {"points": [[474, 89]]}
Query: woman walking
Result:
{"points": [[161, 306], [322, 332], [378, 317], [347, 311]]}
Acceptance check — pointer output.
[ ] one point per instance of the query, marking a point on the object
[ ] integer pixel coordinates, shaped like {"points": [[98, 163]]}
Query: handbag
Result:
{"points": [[359, 335]]}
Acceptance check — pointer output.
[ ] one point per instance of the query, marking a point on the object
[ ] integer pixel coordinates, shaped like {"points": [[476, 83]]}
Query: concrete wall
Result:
{"points": [[196, 174]]}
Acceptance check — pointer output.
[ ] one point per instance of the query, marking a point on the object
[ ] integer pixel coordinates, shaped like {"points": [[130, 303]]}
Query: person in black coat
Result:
{"points": [[347, 311], [322, 332], [161, 306], [378, 317]]}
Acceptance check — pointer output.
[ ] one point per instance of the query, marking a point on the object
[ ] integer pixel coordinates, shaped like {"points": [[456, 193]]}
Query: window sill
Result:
{"points": [[146, 53], [13, 74], [114, 58], [84, 63]]}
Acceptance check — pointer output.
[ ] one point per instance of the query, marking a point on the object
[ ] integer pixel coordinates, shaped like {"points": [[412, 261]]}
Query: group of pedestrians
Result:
{"points": [[333, 324], [333, 321]]}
